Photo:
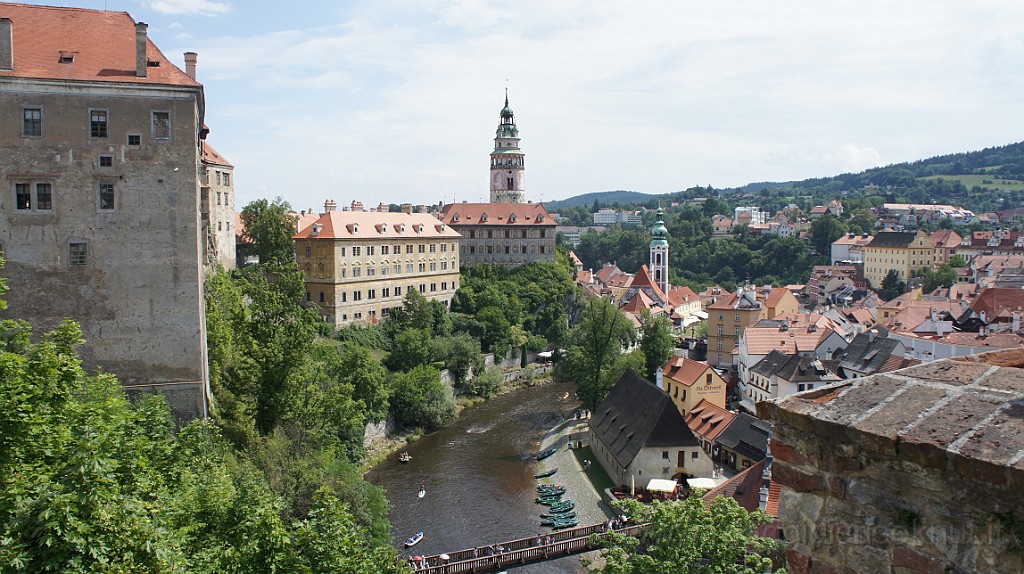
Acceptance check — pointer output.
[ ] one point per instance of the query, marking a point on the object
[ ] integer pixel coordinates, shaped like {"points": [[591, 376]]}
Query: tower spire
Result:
{"points": [[507, 166]]}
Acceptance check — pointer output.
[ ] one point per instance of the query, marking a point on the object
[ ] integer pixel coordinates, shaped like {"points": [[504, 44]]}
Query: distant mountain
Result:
{"points": [[603, 197]]}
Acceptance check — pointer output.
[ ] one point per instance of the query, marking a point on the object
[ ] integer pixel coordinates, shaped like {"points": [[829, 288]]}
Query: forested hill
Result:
{"points": [[603, 198], [964, 178]]}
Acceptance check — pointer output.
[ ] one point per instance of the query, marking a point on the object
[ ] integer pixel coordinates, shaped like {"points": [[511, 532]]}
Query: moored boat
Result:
{"points": [[546, 453], [404, 457], [546, 487], [561, 508], [414, 540], [564, 525], [546, 473]]}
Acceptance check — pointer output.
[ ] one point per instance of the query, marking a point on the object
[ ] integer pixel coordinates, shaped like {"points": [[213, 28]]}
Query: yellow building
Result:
{"points": [[688, 382], [900, 251], [730, 314], [359, 265]]}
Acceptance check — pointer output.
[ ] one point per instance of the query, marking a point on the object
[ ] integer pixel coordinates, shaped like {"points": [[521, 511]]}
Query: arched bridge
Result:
{"points": [[519, 552]]}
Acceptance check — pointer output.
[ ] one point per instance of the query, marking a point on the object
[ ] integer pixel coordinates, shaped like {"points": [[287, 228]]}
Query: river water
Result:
{"points": [[478, 475]]}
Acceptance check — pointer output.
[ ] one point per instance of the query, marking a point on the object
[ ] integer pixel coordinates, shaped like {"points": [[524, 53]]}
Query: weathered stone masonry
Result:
{"points": [[920, 470]]}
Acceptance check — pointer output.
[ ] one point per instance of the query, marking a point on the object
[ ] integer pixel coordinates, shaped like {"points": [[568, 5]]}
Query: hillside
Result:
{"points": [[964, 178], [603, 197]]}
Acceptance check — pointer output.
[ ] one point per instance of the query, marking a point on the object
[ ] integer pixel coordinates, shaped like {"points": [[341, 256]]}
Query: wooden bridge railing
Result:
{"points": [[521, 551]]}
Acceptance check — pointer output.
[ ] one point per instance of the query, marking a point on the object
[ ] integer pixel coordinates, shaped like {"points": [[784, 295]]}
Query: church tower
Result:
{"points": [[507, 167], [659, 253]]}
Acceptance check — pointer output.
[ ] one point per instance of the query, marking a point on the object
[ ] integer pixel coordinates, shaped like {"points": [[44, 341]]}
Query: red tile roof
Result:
{"points": [[518, 214], [102, 44], [997, 301], [680, 295], [683, 370], [745, 488], [709, 420], [643, 279], [376, 225], [212, 157]]}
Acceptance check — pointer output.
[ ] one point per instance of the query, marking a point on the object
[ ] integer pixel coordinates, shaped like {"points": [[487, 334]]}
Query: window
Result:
{"points": [[422, 248], [77, 253], [384, 269], [433, 287], [357, 296], [444, 265], [541, 249], [25, 200], [707, 379], [218, 177], [524, 250], [370, 249], [490, 234], [472, 250], [444, 285], [664, 454], [218, 203], [408, 248], [384, 249], [398, 269], [433, 248], [227, 178], [98, 123], [720, 318], [444, 247], [385, 292], [472, 234], [398, 291], [371, 271], [343, 272], [344, 296], [433, 266], [356, 251], [397, 249], [719, 346], [161, 125], [341, 251], [506, 249], [106, 196], [309, 297], [134, 139], [371, 294], [32, 122], [357, 272], [737, 317], [490, 249], [422, 267], [322, 299], [721, 330], [408, 267], [736, 332], [423, 287], [693, 455]]}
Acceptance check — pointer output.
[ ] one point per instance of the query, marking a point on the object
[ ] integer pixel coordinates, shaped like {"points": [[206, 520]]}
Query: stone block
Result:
{"points": [[999, 441], [863, 395], [916, 562], [819, 566], [837, 487], [787, 453], [1006, 379], [797, 479], [954, 373], [994, 474], [942, 427], [796, 562], [1003, 358], [902, 411]]}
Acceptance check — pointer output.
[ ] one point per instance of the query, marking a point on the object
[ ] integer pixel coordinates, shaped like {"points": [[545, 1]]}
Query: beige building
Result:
{"points": [[359, 265], [731, 313], [100, 215], [688, 382], [218, 207], [901, 251], [508, 234]]}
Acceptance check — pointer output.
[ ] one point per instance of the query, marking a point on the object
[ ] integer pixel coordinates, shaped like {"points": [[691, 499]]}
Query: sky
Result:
{"points": [[395, 102]]}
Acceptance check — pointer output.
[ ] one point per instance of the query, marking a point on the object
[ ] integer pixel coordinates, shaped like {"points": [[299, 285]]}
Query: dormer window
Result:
{"points": [[512, 218], [355, 228], [402, 228], [66, 58], [455, 218], [483, 218], [540, 218], [384, 228], [420, 229]]}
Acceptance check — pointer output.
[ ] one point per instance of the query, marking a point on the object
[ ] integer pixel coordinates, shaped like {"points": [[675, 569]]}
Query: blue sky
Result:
{"points": [[398, 101]]}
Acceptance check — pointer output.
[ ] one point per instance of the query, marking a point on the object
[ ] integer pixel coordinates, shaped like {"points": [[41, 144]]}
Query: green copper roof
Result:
{"points": [[659, 234]]}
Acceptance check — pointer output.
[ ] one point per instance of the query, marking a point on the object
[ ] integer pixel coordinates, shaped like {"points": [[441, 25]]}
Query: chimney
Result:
{"points": [[140, 49], [330, 205], [357, 205], [406, 208], [6, 44], [1015, 325], [190, 64]]}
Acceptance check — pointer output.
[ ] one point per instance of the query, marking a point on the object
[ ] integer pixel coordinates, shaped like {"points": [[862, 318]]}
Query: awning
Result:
{"points": [[661, 485], [700, 314], [701, 483], [691, 320]]}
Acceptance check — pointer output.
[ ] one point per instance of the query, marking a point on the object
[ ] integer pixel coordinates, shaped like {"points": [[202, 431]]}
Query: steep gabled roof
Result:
{"points": [[867, 353], [745, 488], [709, 420], [771, 363], [101, 44], [747, 435], [212, 157], [637, 414], [684, 371], [376, 225], [514, 214], [893, 239]]}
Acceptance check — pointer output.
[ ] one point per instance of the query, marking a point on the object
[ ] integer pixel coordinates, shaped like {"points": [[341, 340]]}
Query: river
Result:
{"points": [[478, 474]]}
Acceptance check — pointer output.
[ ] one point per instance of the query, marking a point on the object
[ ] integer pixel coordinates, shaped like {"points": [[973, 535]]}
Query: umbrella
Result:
{"points": [[444, 557]]}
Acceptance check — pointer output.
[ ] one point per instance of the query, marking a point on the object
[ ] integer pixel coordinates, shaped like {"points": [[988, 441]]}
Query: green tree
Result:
{"points": [[944, 276], [957, 261], [892, 287], [410, 349], [270, 227], [497, 337], [460, 354], [488, 383], [655, 342], [595, 344], [824, 231], [690, 537], [421, 399]]}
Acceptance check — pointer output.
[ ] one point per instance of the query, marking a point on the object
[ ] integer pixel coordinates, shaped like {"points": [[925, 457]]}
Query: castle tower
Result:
{"points": [[659, 253], [507, 166]]}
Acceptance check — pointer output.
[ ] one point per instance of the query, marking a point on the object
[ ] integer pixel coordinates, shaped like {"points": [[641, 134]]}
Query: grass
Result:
{"points": [[979, 180], [597, 476]]}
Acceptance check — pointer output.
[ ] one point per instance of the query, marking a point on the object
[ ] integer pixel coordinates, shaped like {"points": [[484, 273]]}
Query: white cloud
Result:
{"points": [[852, 158], [198, 7]]}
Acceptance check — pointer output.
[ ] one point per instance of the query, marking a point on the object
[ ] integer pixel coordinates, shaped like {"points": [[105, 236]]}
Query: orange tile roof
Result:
{"points": [[212, 157], [643, 279], [745, 488], [574, 258], [584, 276], [709, 420], [622, 280], [606, 272], [376, 225], [639, 303], [996, 301], [762, 340], [680, 295], [102, 43], [526, 214], [683, 370]]}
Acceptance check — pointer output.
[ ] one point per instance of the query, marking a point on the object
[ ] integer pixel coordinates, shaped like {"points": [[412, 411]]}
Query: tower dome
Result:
{"points": [[659, 234], [507, 160]]}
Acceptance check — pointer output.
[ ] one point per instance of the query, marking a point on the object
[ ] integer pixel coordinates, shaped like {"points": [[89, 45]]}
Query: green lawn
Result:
{"points": [[979, 180], [598, 477]]}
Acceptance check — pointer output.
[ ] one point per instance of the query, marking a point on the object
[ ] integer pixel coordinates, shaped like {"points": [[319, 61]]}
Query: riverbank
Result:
{"points": [[380, 450]]}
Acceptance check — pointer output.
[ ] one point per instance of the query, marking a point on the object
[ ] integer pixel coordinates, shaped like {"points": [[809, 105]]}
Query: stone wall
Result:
{"points": [[921, 470]]}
